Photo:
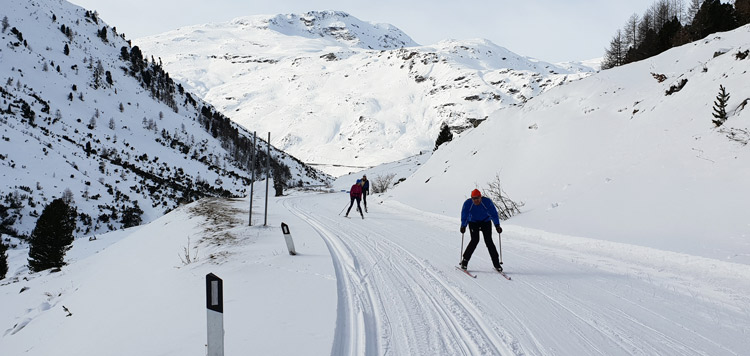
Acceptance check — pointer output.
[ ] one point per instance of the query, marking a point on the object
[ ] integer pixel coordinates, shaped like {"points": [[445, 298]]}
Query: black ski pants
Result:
{"points": [[359, 208], [486, 228]]}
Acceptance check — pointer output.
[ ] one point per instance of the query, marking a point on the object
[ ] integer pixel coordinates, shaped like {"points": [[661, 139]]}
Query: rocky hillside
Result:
{"points": [[86, 115]]}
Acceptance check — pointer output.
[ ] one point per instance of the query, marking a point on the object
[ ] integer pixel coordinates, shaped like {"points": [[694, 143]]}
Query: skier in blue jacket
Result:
{"points": [[479, 213]]}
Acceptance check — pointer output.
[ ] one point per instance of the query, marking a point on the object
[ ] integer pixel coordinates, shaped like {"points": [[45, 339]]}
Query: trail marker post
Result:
{"points": [[215, 317], [288, 239], [252, 180], [268, 175]]}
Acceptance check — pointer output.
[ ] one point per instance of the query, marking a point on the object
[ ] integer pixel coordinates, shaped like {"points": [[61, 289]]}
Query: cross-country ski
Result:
{"points": [[466, 272]]}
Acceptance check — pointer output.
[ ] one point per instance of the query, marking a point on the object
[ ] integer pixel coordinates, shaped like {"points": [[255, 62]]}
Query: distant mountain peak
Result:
{"points": [[334, 25], [336, 90]]}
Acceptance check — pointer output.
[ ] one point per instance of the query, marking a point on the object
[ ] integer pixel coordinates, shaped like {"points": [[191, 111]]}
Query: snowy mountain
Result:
{"points": [[633, 241], [84, 112], [333, 26], [334, 90], [629, 154]]}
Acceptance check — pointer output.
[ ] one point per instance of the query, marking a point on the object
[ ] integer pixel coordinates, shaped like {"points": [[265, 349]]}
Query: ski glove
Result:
{"points": [[463, 229], [499, 229]]}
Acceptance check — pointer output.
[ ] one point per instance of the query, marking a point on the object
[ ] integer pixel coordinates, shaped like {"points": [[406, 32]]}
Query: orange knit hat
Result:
{"points": [[475, 193]]}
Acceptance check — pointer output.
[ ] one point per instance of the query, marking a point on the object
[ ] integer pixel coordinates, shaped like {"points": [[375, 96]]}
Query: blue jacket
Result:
{"points": [[485, 211]]}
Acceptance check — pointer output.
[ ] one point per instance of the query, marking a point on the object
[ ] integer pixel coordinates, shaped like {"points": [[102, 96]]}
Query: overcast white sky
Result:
{"points": [[550, 30]]}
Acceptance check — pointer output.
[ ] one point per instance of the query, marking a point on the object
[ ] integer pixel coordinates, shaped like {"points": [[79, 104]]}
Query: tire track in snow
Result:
{"points": [[350, 336], [444, 300], [565, 300], [356, 331], [391, 302]]}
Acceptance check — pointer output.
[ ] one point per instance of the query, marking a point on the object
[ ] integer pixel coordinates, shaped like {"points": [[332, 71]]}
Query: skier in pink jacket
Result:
{"points": [[355, 193]]}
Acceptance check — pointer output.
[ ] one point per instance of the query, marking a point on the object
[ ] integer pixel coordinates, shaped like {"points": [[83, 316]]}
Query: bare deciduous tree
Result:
{"points": [[615, 54], [506, 207], [382, 183], [631, 32]]}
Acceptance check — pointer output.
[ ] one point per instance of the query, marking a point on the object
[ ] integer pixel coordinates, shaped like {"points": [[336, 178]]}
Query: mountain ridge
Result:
{"points": [[370, 106]]}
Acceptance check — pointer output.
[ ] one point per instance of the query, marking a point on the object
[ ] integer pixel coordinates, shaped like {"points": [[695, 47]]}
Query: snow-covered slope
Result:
{"points": [[383, 285], [352, 101], [615, 156], [646, 249], [80, 110]]}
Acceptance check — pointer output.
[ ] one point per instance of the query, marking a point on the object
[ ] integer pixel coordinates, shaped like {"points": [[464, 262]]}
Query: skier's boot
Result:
{"points": [[499, 268], [464, 264]]}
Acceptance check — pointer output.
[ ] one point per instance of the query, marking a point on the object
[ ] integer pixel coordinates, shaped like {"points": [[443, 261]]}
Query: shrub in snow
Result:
{"points": [[185, 257], [506, 207], [677, 87], [382, 183]]}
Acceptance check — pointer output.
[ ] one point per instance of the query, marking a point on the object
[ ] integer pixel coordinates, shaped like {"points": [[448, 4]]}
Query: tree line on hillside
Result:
{"points": [[55, 226], [670, 23], [152, 77]]}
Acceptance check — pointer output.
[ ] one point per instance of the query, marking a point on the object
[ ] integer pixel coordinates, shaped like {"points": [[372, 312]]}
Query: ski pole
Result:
{"points": [[462, 249], [342, 210], [500, 246]]}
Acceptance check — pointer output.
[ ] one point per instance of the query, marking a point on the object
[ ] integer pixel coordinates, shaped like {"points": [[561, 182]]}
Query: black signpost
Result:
{"points": [[288, 238]]}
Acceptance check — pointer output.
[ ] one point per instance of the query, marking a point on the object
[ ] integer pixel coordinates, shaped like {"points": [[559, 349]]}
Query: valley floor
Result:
{"points": [[399, 293], [383, 285]]}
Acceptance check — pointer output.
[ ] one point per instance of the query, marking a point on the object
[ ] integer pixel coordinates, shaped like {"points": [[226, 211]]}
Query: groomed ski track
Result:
{"points": [[400, 294]]}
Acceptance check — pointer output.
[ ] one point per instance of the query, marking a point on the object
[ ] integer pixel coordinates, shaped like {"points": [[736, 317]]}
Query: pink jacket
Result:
{"points": [[356, 191]]}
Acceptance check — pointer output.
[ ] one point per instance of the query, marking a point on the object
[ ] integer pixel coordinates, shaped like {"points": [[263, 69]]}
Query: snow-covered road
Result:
{"points": [[385, 285], [399, 293]]}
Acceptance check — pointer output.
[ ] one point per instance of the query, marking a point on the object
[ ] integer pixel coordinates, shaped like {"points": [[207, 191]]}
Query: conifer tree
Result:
{"points": [[743, 11], [131, 216], [52, 236], [444, 136], [3, 260], [695, 5], [720, 107], [278, 182], [615, 54], [713, 16], [103, 33], [630, 32]]}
